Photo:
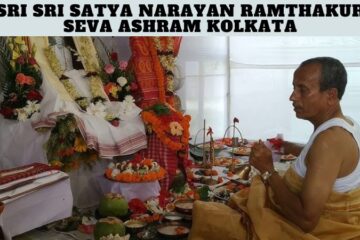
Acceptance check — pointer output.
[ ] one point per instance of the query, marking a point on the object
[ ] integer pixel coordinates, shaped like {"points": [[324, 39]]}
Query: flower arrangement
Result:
{"points": [[145, 170], [22, 80], [117, 79], [171, 127], [66, 149]]}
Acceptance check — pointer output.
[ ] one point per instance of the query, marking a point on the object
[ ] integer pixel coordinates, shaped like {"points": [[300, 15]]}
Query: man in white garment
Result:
{"points": [[329, 161]]}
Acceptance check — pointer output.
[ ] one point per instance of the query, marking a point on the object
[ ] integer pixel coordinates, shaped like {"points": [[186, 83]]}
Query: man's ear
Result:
{"points": [[333, 94]]}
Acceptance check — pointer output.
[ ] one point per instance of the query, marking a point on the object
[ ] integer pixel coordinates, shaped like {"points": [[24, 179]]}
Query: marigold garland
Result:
{"points": [[159, 72], [162, 130], [161, 125]]}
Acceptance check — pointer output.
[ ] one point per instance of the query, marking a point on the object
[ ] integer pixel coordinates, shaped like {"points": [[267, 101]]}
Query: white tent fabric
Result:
{"points": [[250, 78]]}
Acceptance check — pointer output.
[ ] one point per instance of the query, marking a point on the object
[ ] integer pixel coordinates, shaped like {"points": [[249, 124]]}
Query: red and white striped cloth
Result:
{"points": [[166, 158], [101, 136]]}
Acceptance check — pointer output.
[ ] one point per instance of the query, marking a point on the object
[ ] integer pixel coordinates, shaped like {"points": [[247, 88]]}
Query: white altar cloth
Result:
{"points": [[48, 203], [142, 191]]}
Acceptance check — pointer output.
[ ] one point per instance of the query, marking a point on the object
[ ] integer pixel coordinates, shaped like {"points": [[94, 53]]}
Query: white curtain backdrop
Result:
{"points": [[251, 78], [204, 62]]}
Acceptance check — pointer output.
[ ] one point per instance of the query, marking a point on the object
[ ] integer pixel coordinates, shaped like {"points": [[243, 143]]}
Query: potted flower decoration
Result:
{"points": [[22, 80], [117, 79]]}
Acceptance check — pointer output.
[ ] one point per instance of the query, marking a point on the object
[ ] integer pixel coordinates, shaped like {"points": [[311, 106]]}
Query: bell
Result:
{"points": [[244, 172]]}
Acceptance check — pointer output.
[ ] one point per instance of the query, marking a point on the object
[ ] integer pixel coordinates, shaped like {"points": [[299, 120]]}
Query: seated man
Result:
{"points": [[319, 196]]}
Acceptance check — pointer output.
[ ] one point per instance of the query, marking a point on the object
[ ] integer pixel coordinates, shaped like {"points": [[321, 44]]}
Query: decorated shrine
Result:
{"points": [[101, 143]]}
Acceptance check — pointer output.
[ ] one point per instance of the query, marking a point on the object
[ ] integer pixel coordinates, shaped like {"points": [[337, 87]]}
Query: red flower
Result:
{"points": [[20, 60], [32, 61], [137, 158], [236, 120], [22, 79], [133, 86], [114, 56], [66, 152], [137, 206], [34, 95], [115, 122], [276, 143], [7, 112], [87, 229], [210, 131], [109, 88]]}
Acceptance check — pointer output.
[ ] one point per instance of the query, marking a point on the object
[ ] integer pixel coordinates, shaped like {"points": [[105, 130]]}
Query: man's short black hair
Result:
{"points": [[333, 73]]}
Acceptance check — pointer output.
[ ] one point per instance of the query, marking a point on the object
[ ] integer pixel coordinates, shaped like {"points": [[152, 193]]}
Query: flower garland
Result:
{"points": [[169, 128], [167, 59], [159, 72], [95, 105], [54, 62], [59, 71]]}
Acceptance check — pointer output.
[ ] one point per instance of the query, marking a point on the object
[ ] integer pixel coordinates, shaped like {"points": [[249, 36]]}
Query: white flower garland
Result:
{"points": [[167, 60]]}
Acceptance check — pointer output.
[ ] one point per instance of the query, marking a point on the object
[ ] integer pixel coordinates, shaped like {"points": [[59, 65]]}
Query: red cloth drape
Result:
{"points": [[142, 63]]}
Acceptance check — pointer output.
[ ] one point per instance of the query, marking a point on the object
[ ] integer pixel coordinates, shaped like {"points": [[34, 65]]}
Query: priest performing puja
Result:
{"points": [[167, 137]]}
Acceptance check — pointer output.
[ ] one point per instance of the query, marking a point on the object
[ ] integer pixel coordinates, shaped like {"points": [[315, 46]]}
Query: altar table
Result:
{"points": [[142, 191], [39, 203]]}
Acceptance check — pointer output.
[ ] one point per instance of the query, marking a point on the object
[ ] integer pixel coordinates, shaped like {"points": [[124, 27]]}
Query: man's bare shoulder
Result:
{"points": [[334, 137], [332, 144]]}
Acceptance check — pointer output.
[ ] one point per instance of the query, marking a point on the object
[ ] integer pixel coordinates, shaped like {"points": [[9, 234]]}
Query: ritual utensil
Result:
{"points": [[203, 143], [211, 158], [200, 153], [234, 141]]}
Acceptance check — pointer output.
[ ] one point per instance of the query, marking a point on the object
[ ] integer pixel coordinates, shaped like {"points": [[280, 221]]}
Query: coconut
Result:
{"points": [[107, 226], [113, 204]]}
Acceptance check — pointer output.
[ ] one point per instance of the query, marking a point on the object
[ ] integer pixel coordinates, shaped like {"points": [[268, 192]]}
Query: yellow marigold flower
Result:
{"points": [[109, 117], [19, 40], [80, 145], [33, 49], [23, 48], [15, 55], [176, 129], [113, 91], [56, 163], [12, 63]]}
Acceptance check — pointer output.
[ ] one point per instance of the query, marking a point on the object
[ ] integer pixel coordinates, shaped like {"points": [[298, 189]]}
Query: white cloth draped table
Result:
{"points": [[143, 191], [45, 200]]}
